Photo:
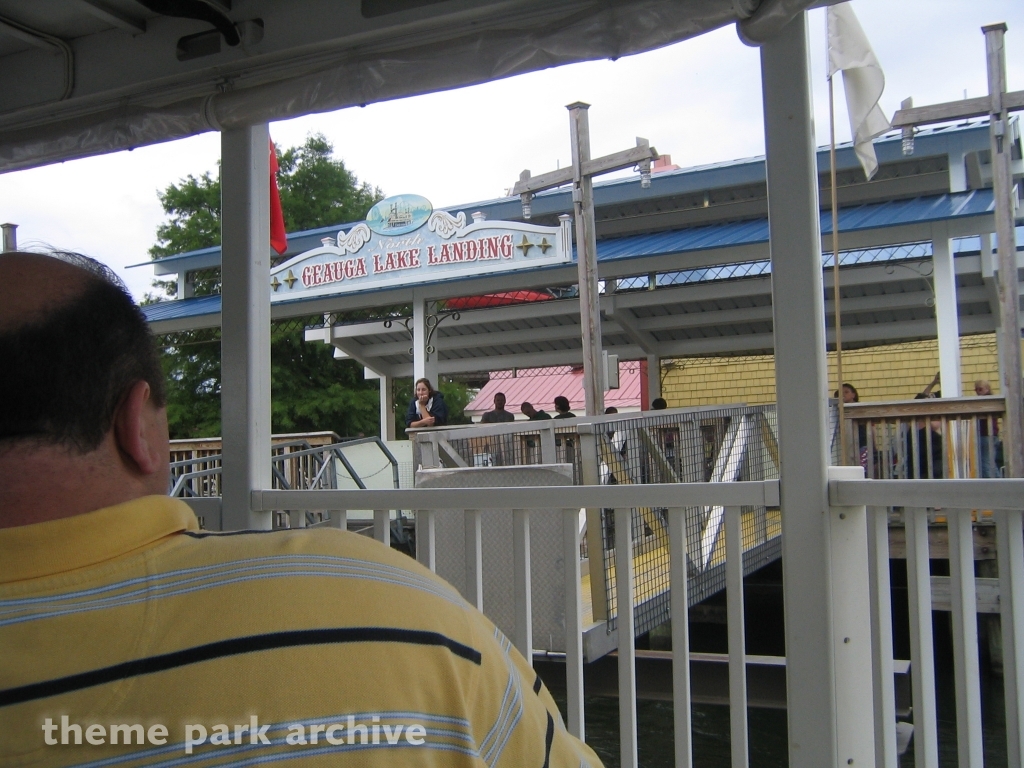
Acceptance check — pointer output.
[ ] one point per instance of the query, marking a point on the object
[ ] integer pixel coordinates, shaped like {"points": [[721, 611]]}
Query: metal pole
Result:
{"points": [[1009, 292], [245, 327], [586, 256], [801, 377], [835, 271]]}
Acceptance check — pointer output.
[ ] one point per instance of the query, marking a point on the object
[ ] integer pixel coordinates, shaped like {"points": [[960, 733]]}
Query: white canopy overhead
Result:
{"points": [[84, 77]]}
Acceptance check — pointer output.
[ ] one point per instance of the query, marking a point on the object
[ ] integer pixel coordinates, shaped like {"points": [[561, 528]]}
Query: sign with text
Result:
{"points": [[404, 242]]}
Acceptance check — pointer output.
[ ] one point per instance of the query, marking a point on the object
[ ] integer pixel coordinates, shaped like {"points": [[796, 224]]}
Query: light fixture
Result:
{"points": [[644, 166], [908, 141], [526, 199], [908, 132]]}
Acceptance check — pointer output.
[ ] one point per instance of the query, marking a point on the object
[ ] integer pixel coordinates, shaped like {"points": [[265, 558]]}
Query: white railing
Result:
{"points": [[957, 500], [1004, 496], [675, 497]]}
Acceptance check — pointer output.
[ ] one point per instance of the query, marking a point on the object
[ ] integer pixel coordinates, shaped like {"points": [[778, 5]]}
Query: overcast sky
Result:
{"points": [[699, 101]]}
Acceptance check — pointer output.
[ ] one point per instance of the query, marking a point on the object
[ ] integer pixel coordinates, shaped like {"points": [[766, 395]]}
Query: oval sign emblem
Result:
{"points": [[399, 214]]}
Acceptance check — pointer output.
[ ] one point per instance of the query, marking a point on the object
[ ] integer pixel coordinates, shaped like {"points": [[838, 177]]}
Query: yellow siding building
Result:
{"points": [[891, 372]]}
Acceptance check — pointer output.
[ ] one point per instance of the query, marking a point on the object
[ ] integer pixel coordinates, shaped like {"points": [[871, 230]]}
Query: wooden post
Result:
{"points": [[580, 174], [586, 258], [1009, 292], [997, 106]]}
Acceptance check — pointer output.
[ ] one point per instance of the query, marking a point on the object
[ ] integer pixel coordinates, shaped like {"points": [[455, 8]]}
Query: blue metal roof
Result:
{"points": [[931, 141], [851, 219], [729, 234], [177, 310]]}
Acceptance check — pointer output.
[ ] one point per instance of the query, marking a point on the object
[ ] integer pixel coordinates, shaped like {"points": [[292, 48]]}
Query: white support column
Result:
{"points": [[946, 318], [957, 172], [387, 409], [419, 337], [245, 324], [424, 364], [653, 376], [856, 718], [802, 385]]}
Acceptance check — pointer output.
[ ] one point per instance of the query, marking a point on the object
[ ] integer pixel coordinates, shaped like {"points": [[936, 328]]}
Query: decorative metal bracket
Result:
{"points": [[924, 270], [431, 322]]}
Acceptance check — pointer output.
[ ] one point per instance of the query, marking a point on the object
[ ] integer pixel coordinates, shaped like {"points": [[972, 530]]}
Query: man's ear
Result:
{"points": [[140, 431]]}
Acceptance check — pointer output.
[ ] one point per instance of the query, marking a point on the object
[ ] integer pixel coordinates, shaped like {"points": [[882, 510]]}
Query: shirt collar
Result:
{"points": [[58, 546]]}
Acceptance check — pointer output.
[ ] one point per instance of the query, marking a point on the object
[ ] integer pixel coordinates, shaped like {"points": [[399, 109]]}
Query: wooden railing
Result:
{"points": [[945, 438]]}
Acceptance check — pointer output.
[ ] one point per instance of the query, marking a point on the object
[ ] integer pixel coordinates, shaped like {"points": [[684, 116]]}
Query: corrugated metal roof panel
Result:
{"points": [[175, 310], [540, 387]]}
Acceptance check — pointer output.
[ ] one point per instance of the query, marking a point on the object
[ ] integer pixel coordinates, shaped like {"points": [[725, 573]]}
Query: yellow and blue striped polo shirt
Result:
{"points": [[299, 648]]}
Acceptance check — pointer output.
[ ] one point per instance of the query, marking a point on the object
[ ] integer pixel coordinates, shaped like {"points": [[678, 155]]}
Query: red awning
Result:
{"points": [[497, 299]]}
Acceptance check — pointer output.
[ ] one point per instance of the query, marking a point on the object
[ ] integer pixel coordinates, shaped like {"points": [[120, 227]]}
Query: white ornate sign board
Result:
{"points": [[404, 242]]}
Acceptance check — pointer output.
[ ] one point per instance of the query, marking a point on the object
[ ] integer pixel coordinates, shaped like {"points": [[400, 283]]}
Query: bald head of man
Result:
{"points": [[83, 424]]}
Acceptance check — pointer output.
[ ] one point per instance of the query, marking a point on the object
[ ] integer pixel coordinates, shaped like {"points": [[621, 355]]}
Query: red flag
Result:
{"points": [[278, 237]]}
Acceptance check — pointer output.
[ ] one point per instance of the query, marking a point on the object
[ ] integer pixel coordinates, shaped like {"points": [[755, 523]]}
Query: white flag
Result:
{"points": [[850, 51]]}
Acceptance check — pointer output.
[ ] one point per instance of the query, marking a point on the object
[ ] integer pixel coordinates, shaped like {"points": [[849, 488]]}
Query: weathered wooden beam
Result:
{"points": [[595, 167], [954, 110]]}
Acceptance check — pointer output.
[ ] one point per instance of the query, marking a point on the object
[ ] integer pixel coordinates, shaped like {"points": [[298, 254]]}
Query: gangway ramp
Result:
{"points": [[673, 446]]}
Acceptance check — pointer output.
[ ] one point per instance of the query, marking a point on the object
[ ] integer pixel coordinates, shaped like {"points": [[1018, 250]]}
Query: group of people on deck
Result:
{"points": [[428, 409], [928, 446]]}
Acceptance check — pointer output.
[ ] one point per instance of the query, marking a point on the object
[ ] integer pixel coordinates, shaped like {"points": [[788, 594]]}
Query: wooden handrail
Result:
{"points": [[946, 406]]}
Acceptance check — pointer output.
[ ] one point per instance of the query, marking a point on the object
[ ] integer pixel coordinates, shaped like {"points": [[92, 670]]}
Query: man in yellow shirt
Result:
{"points": [[131, 638]]}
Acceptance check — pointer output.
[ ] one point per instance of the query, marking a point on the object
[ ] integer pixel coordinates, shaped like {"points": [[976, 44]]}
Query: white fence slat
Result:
{"points": [[573, 622], [922, 656], [737, 643], [965, 639], [628, 756], [1010, 551], [881, 639], [523, 638], [679, 607], [382, 526], [426, 538], [339, 519], [474, 559]]}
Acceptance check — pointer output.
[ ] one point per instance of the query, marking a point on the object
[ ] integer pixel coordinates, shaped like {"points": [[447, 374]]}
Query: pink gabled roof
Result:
{"points": [[540, 386]]}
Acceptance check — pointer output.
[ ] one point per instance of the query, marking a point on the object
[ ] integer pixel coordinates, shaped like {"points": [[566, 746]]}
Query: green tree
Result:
{"points": [[310, 390], [193, 206], [317, 190]]}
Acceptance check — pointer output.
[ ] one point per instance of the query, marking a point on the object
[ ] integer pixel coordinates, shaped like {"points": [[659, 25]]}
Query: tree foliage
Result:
{"points": [[310, 390], [193, 206], [317, 190]]}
